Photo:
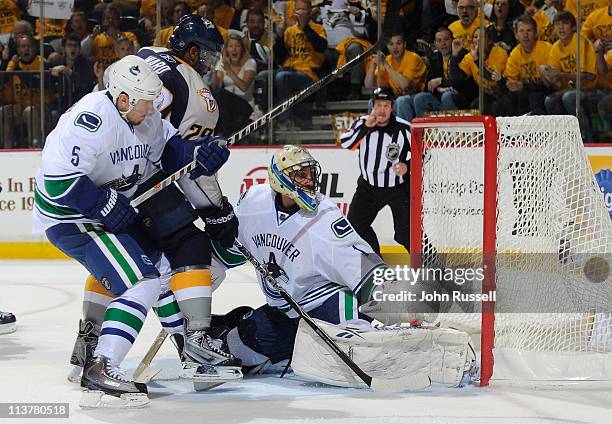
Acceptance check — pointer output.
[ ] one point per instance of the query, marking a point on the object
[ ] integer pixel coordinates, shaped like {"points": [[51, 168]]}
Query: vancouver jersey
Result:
{"points": [[93, 139], [319, 251], [190, 106]]}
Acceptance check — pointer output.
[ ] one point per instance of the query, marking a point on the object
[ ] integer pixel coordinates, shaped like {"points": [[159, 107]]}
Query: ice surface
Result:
{"points": [[46, 298]]}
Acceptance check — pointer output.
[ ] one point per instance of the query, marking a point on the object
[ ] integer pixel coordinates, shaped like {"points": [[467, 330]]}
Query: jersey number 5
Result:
{"points": [[75, 156], [197, 131]]}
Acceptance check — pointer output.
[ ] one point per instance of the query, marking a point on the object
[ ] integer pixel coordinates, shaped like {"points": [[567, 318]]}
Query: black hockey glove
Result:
{"points": [[221, 224]]}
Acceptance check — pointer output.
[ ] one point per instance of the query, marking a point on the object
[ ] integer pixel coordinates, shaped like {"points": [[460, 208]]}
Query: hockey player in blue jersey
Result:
{"points": [[92, 163]]}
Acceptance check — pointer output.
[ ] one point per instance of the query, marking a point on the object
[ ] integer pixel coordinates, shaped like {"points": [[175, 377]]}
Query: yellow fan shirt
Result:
{"points": [[496, 61], [525, 67], [598, 26], [459, 31], [563, 58], [301, 55], [411, 66]]}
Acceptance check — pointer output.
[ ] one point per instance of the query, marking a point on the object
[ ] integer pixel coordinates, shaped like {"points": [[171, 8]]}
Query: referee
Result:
{"points": [[384, 150]]}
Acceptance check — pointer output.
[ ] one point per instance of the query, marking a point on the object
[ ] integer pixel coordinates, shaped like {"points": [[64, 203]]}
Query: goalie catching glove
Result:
{"points": [[221, 223]]}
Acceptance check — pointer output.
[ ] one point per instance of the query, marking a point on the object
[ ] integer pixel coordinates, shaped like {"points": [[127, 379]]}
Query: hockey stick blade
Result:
{"points": [[393, 7], [144, 372], [418, 382]]}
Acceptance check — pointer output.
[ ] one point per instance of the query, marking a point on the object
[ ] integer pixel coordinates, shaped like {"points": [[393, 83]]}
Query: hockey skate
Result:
{"points": [[84, 346], [106, 386], [8, 323], [206, 361]]}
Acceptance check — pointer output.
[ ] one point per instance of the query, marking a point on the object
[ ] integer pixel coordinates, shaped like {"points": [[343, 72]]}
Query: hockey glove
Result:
{"points": [[604, 179], [210, 154], [221, 224], [113, 210]]}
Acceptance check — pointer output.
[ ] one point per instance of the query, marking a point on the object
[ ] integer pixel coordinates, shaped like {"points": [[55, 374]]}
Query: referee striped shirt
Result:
{"points": [[380, 149]]}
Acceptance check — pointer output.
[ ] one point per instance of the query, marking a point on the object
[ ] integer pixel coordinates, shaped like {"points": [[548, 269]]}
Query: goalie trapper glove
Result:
{"points": [[221, 224], [210, 155], [113, 210]]}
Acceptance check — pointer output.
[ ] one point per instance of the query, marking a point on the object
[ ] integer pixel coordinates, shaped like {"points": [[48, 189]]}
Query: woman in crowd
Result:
{"points": [[233, 85]]}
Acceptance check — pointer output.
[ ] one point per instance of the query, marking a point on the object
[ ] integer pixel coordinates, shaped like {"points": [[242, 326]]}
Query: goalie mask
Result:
{"points": [[294, 173], [134, 77]]}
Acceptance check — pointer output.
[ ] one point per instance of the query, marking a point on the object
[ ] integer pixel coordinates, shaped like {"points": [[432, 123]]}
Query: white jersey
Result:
{"points": [[93, 139], [189, 105], [319, 251]]}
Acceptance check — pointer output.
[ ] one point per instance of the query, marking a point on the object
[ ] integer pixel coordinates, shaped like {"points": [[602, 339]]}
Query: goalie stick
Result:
{"points": [[406, 383], [393, 7]]}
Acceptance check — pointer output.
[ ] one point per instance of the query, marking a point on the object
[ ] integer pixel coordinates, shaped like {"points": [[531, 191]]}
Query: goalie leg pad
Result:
{"points": [[386, 353]]}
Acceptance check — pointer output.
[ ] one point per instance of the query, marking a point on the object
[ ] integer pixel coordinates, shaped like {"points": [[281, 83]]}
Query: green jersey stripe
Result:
{"points": [[114, 251], [53, 209], [167, 310], [119, 315], [58, 188]]}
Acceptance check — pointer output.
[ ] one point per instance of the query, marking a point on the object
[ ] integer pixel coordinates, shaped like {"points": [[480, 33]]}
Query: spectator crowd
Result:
{"points": [[431, 62]]}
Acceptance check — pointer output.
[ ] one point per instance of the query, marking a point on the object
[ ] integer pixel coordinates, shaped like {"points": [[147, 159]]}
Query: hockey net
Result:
{"points": [[517, 198]]}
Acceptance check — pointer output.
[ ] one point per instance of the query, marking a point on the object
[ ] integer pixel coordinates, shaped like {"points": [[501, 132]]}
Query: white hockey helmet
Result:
{"points": [[133, 76], [284, 170]]}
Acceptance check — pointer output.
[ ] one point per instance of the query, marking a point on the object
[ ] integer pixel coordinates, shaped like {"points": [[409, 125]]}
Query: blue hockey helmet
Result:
{"points": [[199, 31]]}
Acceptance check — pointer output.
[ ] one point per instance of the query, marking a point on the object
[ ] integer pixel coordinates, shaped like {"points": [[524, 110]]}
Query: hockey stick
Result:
{"points": [[393, 7], [407, 383], [144, 372]]}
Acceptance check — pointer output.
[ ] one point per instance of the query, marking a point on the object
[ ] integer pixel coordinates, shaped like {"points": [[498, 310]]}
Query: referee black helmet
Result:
{"points": [[383, 93]]}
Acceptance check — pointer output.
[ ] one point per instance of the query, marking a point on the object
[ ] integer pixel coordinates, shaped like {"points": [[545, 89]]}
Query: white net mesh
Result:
{"points": [[553, 240]]}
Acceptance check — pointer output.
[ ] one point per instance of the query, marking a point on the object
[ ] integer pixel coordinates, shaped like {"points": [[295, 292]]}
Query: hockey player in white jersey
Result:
{"points": [[309, 245], [187, 104], [92, 162]]}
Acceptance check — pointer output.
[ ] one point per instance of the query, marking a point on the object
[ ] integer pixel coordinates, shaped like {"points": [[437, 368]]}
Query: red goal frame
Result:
{"points": [[491, 148]]}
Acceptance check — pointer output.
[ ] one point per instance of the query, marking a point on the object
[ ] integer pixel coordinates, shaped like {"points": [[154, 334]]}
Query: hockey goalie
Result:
{"points": [[315, 255]]}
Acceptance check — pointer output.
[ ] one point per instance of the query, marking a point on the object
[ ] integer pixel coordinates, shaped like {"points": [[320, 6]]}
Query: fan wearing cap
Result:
{"points": [[383, 141], [92, 163]]}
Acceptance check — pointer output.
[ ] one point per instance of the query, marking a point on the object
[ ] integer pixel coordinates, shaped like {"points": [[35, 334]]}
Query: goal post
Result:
{"points": [[517, 198]]}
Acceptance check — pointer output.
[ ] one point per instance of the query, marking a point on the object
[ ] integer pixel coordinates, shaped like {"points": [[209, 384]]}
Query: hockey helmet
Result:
{"points": [[294, 173], [133, 76], [196, 29]]}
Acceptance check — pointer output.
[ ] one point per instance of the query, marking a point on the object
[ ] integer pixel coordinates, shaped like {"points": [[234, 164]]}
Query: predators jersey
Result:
{"points": [[598, 26], [319, 252], [301, 55], [525, 67], [190, 106], [93, 139], [411, 67], [563, 58]]}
